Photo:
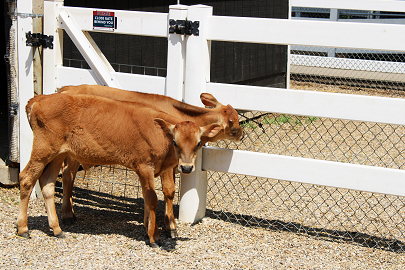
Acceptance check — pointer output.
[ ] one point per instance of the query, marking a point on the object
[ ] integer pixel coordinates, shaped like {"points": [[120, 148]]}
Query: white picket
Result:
{"points": [[193, 189], [25, 83]]}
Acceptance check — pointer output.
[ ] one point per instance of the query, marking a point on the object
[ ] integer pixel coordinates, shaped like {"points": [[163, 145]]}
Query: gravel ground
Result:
{"points": [[113, 237], [109, 234]]}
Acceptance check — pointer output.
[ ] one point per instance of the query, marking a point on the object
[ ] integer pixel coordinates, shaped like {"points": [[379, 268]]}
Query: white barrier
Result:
{"points": [[25, 81], [352, 107], [189, 62]]}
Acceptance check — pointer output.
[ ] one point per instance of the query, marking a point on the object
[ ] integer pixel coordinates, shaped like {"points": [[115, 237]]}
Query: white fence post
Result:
{"points": [[193, 189], [198, 56], [333, 16], [25, 79], [176, 55], [52, 58]]}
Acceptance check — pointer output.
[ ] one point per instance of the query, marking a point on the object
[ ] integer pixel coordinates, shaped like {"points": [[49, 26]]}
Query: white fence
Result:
{"points": [[313, 64], [188, 75]]}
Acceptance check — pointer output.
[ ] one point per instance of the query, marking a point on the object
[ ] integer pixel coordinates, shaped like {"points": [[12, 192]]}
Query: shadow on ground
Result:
{"points": [[101, 213], [351, 237]]}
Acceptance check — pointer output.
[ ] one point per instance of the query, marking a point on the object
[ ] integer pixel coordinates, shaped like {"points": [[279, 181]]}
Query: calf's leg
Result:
{"points": [[169, 188], [68, 178], [41, 155], [47, 183], [146, 177], [28, 178]]}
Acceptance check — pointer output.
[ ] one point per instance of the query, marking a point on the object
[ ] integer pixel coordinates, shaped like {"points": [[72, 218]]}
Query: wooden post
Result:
{"points": [[37, 8], [193, 189]]}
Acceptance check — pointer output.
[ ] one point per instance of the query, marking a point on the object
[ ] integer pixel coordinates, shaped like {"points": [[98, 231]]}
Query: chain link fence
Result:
{"points": [[363, 218]]}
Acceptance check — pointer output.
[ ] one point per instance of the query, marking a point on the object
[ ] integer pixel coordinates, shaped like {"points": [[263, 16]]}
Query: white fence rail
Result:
{"points": [[319, 65], [189, 62], [310, 33]]}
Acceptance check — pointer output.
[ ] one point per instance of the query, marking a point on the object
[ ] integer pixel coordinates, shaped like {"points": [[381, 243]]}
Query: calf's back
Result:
{"points": [[97, 130]]}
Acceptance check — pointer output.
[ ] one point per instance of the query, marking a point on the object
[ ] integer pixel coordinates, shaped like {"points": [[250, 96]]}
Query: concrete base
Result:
{"points": [[8, 175]]}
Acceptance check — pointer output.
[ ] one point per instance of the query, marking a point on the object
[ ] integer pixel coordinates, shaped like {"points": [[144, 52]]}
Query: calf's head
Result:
{"points": [[187, 140], [229, 118]]}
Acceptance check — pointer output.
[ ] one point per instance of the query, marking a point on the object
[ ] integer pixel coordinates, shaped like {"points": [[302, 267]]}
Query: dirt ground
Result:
{"points": [[109, 235]]}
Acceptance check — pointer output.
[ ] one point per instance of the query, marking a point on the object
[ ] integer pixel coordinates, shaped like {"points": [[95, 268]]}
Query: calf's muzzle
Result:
{"points": [[186, 168]]}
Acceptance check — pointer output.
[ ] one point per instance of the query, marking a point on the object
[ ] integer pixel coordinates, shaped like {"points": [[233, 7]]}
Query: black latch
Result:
{"points": [[184, 27], [37, 39]]}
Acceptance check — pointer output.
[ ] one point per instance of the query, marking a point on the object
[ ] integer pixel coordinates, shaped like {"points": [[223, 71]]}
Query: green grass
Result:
{"points": [[310, 120], [4, 199], [8, 200], [284, 119], [280, 120], [248, 124]]}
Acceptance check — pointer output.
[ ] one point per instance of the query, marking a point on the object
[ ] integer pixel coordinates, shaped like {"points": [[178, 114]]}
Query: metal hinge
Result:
{"points": [[184, 27], [25, 15], [13, 109], [37, 39]]}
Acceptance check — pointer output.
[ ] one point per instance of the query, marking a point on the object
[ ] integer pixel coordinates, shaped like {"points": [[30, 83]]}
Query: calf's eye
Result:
{"points": [[174, 143], [198, 146]]}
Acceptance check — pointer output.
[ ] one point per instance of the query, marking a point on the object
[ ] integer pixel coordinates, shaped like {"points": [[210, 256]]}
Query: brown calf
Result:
{"points": [[226, 116], [96, 130]]}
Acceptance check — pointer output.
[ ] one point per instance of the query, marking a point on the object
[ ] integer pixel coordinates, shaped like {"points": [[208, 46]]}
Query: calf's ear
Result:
{"points": [[209, 100], [210, 130], [164, 125]]}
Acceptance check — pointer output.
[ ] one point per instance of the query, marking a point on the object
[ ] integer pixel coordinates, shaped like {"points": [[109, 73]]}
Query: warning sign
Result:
{"points": [[104, 20]]}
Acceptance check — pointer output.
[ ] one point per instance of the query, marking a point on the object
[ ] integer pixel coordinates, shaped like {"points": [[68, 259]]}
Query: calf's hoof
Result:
{"points": [[25, 235], [156, 244], [153, 245], [171, 233], [60, 235], [69, 221]]}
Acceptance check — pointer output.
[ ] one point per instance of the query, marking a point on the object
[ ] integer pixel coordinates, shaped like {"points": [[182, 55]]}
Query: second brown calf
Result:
{"points": [[225, 116]]}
